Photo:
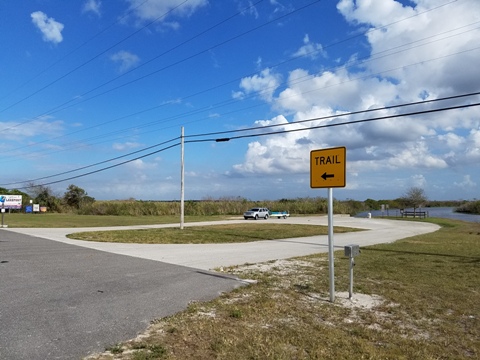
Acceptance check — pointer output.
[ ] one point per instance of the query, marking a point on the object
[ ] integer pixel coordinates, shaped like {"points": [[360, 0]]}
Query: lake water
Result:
{"points": [[440, 212]]}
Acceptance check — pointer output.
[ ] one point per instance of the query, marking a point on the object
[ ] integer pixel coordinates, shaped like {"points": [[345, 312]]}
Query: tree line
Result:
{"points": [[73, 199], [76, 200]]}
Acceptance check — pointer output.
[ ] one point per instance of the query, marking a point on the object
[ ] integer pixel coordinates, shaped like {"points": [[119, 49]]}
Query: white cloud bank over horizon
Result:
{"points": [[416, 54]]}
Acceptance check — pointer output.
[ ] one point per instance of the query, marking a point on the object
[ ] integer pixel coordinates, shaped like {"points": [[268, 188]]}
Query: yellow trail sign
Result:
{"points": [[328, 167]]}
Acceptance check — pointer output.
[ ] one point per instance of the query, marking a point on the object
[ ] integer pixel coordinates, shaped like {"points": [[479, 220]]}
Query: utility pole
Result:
{"points": [[182, 182]]}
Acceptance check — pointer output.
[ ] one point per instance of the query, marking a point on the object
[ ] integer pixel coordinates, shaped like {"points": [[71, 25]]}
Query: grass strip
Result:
{"points": [[214, 234]]}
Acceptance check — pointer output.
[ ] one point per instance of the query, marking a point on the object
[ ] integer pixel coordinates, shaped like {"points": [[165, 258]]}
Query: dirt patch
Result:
{"points": [[361, 301]]}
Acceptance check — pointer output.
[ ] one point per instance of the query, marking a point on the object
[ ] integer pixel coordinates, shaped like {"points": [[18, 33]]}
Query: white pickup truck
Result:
{"points": [[256, 213]]}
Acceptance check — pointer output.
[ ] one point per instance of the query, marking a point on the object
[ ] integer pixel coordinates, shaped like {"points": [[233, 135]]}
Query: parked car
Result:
{"points": [[256, 213]]}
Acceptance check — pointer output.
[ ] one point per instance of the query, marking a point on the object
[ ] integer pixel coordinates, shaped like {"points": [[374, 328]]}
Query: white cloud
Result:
{"points": [[92, 6], [466, 183], [42, 126], [126, 59], [420, 41], [416, 55], [279, 7], [416, 155], [263, 84], [271, 158], [474, 138], [335, 89], [376, 12], [279, 154], [50, 29], [125, 146], [248, 9], [139, 164], [309, 49], [164, 9], [473, 146], [419, 181], [452, 140], [386, 131]]}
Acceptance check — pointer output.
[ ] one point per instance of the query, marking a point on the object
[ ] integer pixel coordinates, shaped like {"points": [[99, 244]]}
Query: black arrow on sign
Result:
{"points": [[325, 176]]}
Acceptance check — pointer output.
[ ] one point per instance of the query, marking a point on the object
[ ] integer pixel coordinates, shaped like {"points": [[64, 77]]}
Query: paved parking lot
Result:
{"points": [[61, 301]]}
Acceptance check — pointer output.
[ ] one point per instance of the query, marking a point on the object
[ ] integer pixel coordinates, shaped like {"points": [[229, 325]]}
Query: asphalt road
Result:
{"points": [[65, 299], [61, 301]]}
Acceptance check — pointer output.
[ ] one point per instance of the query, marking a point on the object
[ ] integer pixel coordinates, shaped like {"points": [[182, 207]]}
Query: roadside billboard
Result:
{"points": [[11, 201]]}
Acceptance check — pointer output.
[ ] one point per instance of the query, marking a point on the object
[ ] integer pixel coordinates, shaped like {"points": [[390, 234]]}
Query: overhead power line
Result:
{"points": [[87, 62], [231, 101], [63, 107], [102, 169], [415, 113], [423, 102], [119, 20], [97, 163], [158, 145], [216, 139]]}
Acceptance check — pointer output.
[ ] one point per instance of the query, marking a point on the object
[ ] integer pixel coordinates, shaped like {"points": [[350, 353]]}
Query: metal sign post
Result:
{"points": [[2, 200], [328, 170], [331, 268]]}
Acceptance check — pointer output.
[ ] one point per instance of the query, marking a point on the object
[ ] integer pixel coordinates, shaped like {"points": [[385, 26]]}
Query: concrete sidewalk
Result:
{"points": [[210, 256]]}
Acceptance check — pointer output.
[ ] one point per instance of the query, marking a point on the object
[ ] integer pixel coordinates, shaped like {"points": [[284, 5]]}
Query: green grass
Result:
{"points": [[49, 220], [429, 308], [212, 234]]}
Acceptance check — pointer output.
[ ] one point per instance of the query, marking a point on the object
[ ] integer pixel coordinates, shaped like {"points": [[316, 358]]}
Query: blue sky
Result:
{"points": [[86, 85]]}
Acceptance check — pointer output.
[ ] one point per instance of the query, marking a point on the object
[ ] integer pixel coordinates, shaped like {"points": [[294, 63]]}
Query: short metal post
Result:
{"points": [[350, 290], [351, 251]]}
